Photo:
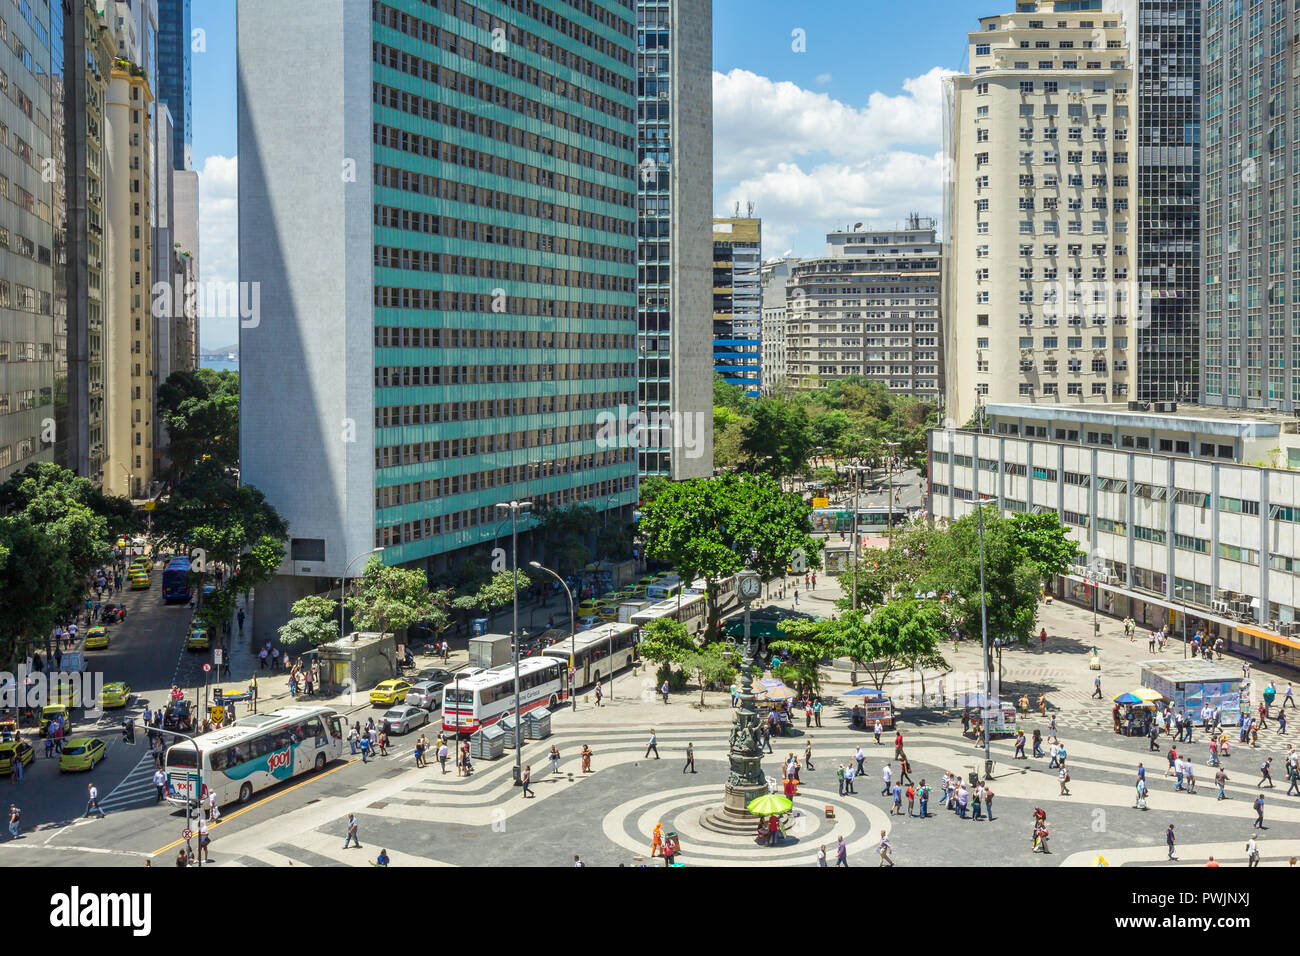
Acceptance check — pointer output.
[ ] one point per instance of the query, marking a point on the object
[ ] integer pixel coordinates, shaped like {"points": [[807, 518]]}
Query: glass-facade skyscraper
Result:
{"points": [[444, 247], [174, 45]]}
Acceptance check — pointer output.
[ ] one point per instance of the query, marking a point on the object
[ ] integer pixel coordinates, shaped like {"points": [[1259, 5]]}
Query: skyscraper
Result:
{"points": [[174, 46], [442, 255], [774, 274], [674, 231], [738, 302]]}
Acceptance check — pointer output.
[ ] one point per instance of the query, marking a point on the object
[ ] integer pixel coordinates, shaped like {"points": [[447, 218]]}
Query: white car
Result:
{"points": [[426, 694], [404, 719]]}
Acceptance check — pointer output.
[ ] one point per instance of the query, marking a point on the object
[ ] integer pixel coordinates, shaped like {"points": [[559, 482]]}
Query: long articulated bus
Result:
{"points": [[255, 752], [484, 698], [597, 653], [690, 609]]}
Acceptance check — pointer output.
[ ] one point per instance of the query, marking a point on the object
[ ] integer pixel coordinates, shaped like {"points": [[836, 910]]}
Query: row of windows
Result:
{"points": [[431, 148], [236, 754], [476, 517], [417, 260], [394, 336], [393, 456], [396, 376], [434, 300], [392, 416]]}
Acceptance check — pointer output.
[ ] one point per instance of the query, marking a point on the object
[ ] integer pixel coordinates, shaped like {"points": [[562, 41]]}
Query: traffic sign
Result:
{"points": [[216, 656], [186, 833], [206, 668]]}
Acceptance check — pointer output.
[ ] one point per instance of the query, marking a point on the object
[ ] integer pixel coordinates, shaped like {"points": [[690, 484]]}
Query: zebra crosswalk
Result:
{"points": [[135, 790]]}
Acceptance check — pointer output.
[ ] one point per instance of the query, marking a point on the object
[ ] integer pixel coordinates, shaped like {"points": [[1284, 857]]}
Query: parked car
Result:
{"points": [[434, 673], [404, 719], [426, 694]]}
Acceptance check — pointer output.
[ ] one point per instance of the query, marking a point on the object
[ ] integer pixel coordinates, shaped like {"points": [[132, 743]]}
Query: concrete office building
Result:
{"points": [[1039, 281], [1188, 517], [674, 236], [738, 302], [772, 368], [129, 382], [447, 308], [869, 307]]}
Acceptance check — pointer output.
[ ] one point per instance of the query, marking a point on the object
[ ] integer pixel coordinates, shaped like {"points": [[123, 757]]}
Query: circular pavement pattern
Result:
{"points": [[631, 823]]}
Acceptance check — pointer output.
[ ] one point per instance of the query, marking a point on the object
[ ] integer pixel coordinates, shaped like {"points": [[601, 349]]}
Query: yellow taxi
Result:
{"points": [[588, 608], [645, 580], [138, 582], [97, 638], [21, 749], [81, 753], [117, 694], [390, 692], [121, 542], [52, 711], [197, 639], [140, 563], [608, 612]]}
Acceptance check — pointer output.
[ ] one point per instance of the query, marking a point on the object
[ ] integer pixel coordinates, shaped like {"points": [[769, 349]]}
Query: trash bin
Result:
{"points": [[487, 743], [513, 737], [537, 724]]}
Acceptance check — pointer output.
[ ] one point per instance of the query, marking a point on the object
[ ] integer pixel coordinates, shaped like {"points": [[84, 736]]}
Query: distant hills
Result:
{"points": [[219, 352]]}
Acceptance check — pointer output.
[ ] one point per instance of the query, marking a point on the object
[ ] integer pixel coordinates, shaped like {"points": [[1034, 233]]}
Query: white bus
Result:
{"points": [[592, 652], [255, 752], [690, 609], [661, 590], [486, 697]]}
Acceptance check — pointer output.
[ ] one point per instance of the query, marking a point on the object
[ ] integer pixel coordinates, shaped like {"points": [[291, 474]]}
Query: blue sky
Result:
{"points": [[847, 130]]}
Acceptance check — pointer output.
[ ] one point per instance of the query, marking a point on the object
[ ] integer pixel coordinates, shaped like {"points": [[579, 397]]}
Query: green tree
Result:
{"points": [[665, 641], [651, 487], [496, 592], [728, 396], [709, 528], [389, 600], [200, 410], [314, 622], [901, 633], [713, 663], [1046, 542], [806, 646], [777, 439]]}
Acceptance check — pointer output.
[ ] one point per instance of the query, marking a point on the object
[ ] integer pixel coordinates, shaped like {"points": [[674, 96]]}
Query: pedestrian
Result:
{"points": [[898, 746], [1037, 749], [92, 801], [924, 793], [204, 841], [817, 714], [897, 791], [821, 855], [1259, 812], [1096, 687], [555, 758], [600, 694], [796, 597], [1141, 803], [1252, 852], [884, 848], [664, 691], [887, 774], [653, 745], [1190, 776], [1178, 771], [841, 853], [690, 758], [905, 769], [807, 754], [1170, 842], [240, 618], [382, 741], [1020, 746], [849, 775], [586, 759], [767, 737], [527, 777], [1065, 781], [1281, 721], [160, 784], [1265, 772], [876, 731], [365, 747], [1288, 699], [351, 836]]}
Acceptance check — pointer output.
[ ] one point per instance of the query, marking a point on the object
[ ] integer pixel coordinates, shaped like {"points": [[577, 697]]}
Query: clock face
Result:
{"points": [[749, 587]]}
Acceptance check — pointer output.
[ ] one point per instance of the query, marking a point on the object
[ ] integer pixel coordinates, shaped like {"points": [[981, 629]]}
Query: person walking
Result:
{"points": [[442, 756], [1252, 852], [160, 784], [690, 758], [92, 801], [1170, 842], [1189, 776], [821, 855], [420, 746], [860, 757], [898, 746], [841, 853], [1065, 783], [600, 694], [807, 754], [839, 776], [1265, 772], [586, 759], [352, 837], [15, 821], [554, 756], [876, 732], [883, 848], [897, 791], [887, 774], [1096, 687], [652, 745], [1020, 746], [924, 793], [1287, 698], [1141, 803], [240, 618], [664, 691], [526, 779], [1259, 812], [849, 775]]}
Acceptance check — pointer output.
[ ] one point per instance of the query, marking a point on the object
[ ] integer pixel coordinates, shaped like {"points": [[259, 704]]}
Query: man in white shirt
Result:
{"points": [[849, 774], [859, 756], [888, 775], [1252, 852], [160, 781], [92, 801], [1054, 751]]}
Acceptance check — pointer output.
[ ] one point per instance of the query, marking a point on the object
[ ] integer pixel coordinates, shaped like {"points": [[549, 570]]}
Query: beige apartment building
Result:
{"points": [[869, 307], [130, 387], [1039, 278]]}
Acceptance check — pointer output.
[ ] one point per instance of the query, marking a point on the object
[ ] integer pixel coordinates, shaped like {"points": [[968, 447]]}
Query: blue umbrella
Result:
{"points": [[864, 692]]}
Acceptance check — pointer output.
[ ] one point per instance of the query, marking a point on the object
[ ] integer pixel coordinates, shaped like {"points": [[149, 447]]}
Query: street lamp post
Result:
{"points": [[984, 642], [343, 583], [889, 474], [515, 508], [573, 696]]}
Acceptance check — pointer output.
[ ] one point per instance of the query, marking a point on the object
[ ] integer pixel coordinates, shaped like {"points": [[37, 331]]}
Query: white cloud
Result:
{"points": [[811, 163], [218, 241], [823, 78]]}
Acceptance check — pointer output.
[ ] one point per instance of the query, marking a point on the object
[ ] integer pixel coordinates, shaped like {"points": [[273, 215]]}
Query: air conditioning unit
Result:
{"points": [[1166, 406], [1138, 406]]}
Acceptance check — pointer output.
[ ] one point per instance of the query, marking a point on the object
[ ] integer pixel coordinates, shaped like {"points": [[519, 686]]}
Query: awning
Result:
{"points": [[1267, 636], [1157, 600]]}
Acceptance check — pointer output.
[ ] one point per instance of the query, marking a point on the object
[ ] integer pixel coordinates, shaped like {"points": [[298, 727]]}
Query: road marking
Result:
{"points": [[78, 849], [133, 785], [267, 799]]}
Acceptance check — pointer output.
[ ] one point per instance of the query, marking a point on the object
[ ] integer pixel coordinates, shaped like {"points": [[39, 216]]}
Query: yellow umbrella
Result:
{"points": [[768, 804], [1147, 694]]}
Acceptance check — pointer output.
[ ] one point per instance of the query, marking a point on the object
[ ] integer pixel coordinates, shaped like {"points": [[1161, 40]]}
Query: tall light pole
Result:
{"points": [[889, 473], [573, 696], [984, 637], [343, 583], [857, 488], [516, 508]]}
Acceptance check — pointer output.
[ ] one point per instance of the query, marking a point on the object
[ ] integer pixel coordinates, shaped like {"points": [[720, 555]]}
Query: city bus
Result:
{"points": [[176, 579], [255, 752], [661, 590], [690, 609], [592, 652], [478, 701]]}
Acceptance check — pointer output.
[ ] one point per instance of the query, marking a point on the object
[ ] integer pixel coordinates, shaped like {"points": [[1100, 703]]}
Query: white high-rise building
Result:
{"points": [[1039, 278], [772, 368]]}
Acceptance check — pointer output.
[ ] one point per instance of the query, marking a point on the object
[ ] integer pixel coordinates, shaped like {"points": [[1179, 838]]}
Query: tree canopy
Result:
{"points": [[389, 600], [200, 410]]}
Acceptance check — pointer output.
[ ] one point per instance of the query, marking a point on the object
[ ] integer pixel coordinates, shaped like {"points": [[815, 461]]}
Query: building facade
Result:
{"points": [[1039, 282], [674, 236], [1188, 517], [447, 310], [869, 308], [738, 302], [174, 45], [772, 367]]}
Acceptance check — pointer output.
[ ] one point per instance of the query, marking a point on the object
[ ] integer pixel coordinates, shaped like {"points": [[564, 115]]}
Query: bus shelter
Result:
{"points": [[1190, 684]]}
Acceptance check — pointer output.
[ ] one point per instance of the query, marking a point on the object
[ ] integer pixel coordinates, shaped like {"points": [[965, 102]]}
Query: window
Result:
{"points": [[1026, 86], [981, 49]]}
